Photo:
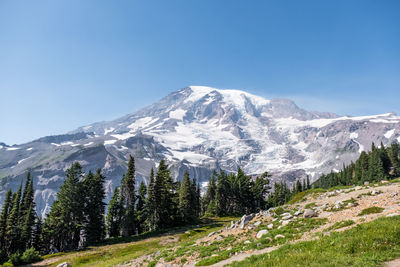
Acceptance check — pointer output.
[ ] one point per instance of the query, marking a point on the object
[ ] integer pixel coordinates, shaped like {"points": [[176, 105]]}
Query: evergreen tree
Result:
{"points": [[152, 207], [259, 188], [186, 199], [13, 228], [128, 200], [5, 211], [64, 223], [209, 203], [27, 213], [37, 234], [94, 225], [141, 208], [308, 185], [114, 214]]}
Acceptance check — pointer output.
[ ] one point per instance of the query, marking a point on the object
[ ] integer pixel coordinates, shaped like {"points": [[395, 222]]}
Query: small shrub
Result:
{"points": [[371, 210], [31, 255], [15, 258]]}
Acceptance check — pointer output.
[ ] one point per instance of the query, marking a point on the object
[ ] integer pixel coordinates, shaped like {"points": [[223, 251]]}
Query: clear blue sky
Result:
{"points": [[68, 63]]}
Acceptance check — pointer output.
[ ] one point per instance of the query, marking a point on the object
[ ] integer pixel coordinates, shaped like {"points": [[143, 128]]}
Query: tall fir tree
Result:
{"points": [[27, 213], [152, 207], [5, 211], [186, 199], [63, 225], [114, 214], [128, 200], [94, 225], [141, 208], [13, 229]]}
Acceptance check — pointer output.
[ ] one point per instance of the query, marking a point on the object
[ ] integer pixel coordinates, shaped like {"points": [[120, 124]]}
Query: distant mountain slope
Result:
{"points": [[200, 129]]}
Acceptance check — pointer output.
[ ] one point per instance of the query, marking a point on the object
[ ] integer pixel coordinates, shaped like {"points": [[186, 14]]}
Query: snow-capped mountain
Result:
{"points": [[200, 129]]}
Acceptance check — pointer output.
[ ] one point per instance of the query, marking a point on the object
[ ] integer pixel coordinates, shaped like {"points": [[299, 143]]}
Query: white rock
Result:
{"points": [[309, 213], [256, 224], [261, 233], [279, 236], [64, 264], [270, 226], [211, 234]]}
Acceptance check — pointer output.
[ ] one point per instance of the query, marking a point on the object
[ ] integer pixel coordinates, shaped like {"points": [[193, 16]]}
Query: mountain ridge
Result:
{"points": [[200, 129]]}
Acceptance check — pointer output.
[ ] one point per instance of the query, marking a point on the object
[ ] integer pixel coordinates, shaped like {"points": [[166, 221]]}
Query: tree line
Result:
{"points": [[78, 218], [378, 164]]}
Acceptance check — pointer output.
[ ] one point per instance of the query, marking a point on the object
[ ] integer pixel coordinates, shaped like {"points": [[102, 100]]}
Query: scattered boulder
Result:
{"points": [[245, 220], [270, 226], [374, 192], [257, 224], [261, 233], [366, 183], [286, 222], [247, 242], [219, 238], [287, 217], [64, 264], [279, 236], [297, 213], [392, 214], [384, 181], [211, 234], [308, 213]]}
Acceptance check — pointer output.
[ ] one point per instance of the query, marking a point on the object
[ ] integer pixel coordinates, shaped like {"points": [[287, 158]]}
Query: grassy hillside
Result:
{"points": [[368, 244]]}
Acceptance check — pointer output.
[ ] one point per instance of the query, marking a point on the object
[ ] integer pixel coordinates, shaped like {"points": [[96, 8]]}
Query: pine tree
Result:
{"points": [[308, 185], [13, 229], [208, 202], [151, 204], [259, 188], [63, 226], [114, 214], [27, 213], [5, 211], [141, 208], [27, 228], [186, 198], [94, 226], [37, 234], [128, 200], [223, 194], [299, 188]]}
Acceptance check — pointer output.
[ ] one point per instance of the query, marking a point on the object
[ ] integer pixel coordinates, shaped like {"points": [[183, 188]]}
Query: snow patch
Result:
{"points": [[88, 144], [109, 130], [177, 114], [354, 135], [29, 149], [22, 160], [142, 122], [123, 136], [389, 133], [12, 148], [109, 142]]}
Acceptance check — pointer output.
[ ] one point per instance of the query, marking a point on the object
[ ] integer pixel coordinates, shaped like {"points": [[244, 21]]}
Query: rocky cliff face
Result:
{"points": [[199, 129]]}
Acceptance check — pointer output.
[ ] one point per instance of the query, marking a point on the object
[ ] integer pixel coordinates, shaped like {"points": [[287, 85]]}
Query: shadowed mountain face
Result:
{"points": [[200, 129]]}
